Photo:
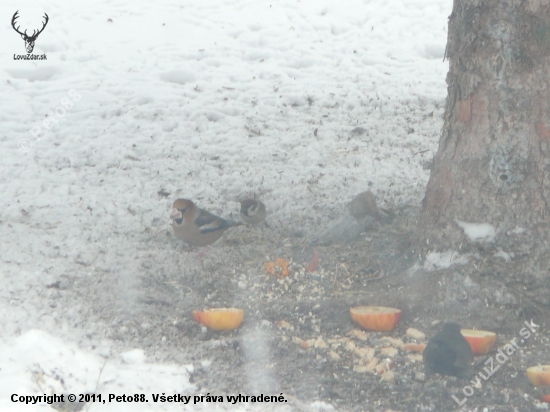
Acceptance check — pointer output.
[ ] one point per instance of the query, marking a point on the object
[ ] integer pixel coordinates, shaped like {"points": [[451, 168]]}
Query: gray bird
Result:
{"points": [[363, 205], [252, 211], [448, 353]]}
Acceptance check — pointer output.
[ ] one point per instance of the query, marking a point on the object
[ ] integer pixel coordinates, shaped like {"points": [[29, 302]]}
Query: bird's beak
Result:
{"points": [[175, 214]]}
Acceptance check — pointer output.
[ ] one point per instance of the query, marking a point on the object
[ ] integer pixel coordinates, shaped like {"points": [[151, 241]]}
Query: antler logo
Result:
{"points": [[29, 40]]}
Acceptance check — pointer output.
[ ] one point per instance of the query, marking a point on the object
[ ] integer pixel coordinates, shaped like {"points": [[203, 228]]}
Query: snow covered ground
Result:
{"points": [[303, 104]]}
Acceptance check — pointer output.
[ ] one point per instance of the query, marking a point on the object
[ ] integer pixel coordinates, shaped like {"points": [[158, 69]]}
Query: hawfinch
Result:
{"points": [[196, 226], [252, 211]]}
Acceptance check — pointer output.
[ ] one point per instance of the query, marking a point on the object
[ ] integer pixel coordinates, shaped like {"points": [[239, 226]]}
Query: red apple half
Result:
{"points": [[376, 318], [539, 375], [219, 318], [481, 341]]}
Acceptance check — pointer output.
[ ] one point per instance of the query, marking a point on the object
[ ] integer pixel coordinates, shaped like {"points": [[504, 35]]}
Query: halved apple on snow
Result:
{"points": [[219, 318], [481, 341], [539, 375], [376, 318]]}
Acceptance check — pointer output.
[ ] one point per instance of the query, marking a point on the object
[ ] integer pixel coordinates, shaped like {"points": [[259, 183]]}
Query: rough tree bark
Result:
{"points": [[493, 161]]}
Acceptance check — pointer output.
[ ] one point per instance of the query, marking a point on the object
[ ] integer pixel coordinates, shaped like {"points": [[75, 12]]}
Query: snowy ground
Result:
{"points": [[303, 104]]}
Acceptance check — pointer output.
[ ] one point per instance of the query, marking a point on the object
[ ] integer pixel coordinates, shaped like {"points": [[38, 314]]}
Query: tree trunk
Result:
{"points": [[493, 161]]}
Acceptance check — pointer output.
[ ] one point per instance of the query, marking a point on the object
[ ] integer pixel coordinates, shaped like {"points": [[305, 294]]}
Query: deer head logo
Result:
{"points": [[29, 40]]}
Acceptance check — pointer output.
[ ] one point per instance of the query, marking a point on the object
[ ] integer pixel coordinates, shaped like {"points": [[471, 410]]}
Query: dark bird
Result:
{"points": [[448, 353]]}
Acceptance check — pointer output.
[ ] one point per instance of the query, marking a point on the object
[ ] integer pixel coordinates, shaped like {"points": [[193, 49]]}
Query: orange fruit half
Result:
{"points": [[219, 318], [376, 318], [539, 375], [481, 341]]}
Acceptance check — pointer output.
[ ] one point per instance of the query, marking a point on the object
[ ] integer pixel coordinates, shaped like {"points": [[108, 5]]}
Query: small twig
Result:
{"points": [[97, 383], [163, 192], [421, 151], [154, 236], [252, 131]]}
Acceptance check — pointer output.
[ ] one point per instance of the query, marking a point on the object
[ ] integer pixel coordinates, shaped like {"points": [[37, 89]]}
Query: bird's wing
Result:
{"points": [[207, 222], [465, 356], [439, 353]]}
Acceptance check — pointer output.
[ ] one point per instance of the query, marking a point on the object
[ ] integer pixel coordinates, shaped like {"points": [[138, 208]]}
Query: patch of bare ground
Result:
{"points": [[297, 337]]}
